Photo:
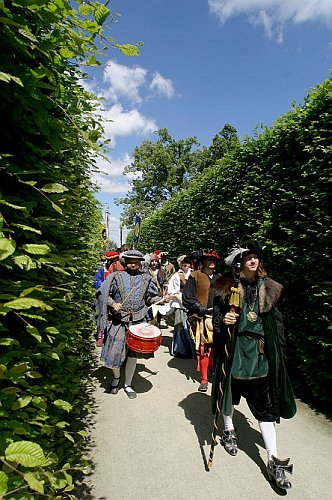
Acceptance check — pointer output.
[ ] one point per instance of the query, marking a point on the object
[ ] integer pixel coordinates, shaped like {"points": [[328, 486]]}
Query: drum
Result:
{"points": [[143, 338]]}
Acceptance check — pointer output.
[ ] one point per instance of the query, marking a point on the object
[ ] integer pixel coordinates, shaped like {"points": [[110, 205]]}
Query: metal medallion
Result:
{"points": [[252, 316]]}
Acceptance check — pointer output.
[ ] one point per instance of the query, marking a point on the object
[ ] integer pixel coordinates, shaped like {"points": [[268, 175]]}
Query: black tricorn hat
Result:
{"points": [[237, 253]]}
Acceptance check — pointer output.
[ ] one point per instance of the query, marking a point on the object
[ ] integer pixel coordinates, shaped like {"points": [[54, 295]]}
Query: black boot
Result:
{"points": [[276, 471], [229, 440]]}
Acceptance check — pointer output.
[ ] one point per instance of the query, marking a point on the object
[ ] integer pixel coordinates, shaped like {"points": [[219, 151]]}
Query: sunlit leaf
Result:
{"points": [[7, 247], [27, 303], [3, 482], [36, 249], [128, 50], [6, 77], [21, 402], [63, 405], [54, 188], [26, 453], [3, 371], [33, 482], [101, 14], [34, 332], [27, 228]]}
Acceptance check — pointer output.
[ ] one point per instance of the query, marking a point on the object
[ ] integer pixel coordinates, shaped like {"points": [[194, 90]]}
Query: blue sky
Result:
{"points": [[205, 63]]}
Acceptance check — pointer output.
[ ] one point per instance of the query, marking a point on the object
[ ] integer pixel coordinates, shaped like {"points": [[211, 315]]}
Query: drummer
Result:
{"points": [[129, 295]]}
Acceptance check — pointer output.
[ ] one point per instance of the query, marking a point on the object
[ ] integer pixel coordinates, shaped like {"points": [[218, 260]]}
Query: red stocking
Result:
{"points": [[203, 367]]}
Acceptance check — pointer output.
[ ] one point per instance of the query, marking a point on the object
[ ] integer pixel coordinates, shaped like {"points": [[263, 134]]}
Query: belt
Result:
{"points": [[251, 335]]}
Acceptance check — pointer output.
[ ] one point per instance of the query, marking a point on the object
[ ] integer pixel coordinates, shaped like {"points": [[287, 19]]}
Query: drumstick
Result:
{"points": [[156, 303]]}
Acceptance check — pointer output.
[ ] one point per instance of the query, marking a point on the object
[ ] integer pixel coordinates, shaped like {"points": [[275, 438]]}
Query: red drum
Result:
{"points": [[143, 338]]}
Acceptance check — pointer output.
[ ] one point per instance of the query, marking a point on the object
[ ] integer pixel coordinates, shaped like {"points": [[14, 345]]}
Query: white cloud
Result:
{"points": [[113, 168], [125, 82], [132, 84], [110, 178], [111, 186], [273, 15], [162, 86], [118, 122]]}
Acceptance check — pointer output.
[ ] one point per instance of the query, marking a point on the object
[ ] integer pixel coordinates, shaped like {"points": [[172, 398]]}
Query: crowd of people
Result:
{"points": [[229, 322]]}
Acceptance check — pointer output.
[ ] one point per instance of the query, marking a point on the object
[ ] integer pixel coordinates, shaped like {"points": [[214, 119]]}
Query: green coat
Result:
{"points": [[223, 336]]}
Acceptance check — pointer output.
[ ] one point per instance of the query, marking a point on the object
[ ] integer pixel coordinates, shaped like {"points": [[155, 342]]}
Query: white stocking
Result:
{"points": [[116, 372], [228, 421], [268, 431], [130, 370]]}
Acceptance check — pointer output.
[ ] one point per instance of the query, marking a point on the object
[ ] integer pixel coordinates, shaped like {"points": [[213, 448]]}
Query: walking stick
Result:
{"points": [[234, 303]]}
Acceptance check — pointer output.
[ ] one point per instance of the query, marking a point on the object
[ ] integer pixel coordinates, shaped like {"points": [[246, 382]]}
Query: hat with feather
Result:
{"points": [[238, 252]]}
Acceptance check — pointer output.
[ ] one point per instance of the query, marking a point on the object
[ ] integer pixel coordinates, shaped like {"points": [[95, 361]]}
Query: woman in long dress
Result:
{"points": [[182, 343]]}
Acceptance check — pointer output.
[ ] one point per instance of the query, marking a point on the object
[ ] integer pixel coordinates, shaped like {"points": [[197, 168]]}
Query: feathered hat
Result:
{"points": [[237, 253], [199, 255], [210, 254]]}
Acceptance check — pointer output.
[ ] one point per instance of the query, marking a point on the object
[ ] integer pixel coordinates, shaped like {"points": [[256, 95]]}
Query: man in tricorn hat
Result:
{"points": [[129, 294], [197, 297], [251, 363]]}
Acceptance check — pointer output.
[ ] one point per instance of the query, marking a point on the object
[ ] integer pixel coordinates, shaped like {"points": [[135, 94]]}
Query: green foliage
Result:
{"points": [[164, 167], [276, 188], [49, 239]]}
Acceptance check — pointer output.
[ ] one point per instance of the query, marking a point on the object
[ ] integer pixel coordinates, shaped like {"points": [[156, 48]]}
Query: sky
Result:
{"points": [[204, 63]]}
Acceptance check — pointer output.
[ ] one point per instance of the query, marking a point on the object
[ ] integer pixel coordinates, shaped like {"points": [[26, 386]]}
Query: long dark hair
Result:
{"points": [[260, 271]]}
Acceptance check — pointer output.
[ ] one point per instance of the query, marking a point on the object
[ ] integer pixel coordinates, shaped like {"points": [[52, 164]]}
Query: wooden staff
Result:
{"points": [[234, 303]]}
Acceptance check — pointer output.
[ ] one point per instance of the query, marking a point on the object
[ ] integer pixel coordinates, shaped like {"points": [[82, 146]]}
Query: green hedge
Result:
{"points": [[49, 240], [276, 188]]}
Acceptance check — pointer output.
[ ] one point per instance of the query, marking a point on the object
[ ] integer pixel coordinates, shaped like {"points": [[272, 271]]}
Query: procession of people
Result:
{"points": [[228, 320]]}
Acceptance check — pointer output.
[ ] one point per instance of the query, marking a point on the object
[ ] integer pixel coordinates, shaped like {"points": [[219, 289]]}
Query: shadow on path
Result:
{"points": [[141, 383], [197, 409], [187, 367], [166, 342]]}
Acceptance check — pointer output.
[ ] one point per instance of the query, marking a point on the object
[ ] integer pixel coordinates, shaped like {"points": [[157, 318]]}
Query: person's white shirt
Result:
{"points": [[174, 288]]}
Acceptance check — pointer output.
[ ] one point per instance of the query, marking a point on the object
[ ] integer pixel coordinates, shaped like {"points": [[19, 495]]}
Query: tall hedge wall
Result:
{"points": [[49, 231], [276, 188]]}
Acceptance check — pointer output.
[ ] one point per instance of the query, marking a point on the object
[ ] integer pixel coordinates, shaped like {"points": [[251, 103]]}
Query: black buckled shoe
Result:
{"points": [[115, 385], [229, 441], [276, 471]]}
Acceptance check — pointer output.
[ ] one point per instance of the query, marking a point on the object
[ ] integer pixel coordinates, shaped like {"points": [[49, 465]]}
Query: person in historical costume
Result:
{"points": [[113, 262], [99, 275], [252, 365], [159, 277], [197, 297], [167, 266], [183, 344], [128, 295]]}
